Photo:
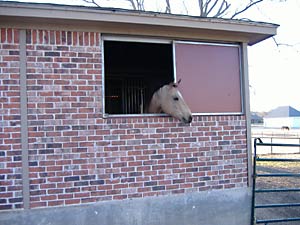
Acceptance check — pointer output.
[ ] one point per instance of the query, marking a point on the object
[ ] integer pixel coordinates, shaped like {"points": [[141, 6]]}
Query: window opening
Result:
{"points": [[133, 71]]}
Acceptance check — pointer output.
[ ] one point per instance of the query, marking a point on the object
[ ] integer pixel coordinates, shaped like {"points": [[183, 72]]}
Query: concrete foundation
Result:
{"points": [[222, 207]]}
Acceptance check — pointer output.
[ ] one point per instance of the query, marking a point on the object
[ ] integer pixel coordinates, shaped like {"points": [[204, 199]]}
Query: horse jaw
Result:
{"points": [[184, 117]]}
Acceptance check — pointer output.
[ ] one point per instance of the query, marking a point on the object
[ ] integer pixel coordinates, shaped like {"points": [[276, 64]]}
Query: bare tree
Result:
{"points": [[92, 2], [219, 8], [248, 6], [135, 4], [207, 8], [168, 7]]}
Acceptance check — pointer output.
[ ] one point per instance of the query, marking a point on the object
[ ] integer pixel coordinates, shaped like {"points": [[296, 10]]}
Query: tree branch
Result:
{"points": [[246, 8], [92, 2], [200, 2], [132, 4], [186, 9], [140, 5], [168, 7], [211, 8], [206, 5], [223, 8], [278, 44]]}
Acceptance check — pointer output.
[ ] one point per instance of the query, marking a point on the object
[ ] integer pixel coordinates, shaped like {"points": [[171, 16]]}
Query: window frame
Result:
{"points": [[172, 42], [125, 38]]}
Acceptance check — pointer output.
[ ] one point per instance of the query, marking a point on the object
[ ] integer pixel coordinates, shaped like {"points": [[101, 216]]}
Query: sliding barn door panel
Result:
{"points": [[211, 77]]}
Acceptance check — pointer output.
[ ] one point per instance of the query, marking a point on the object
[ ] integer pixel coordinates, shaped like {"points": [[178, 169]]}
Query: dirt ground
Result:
{"points": [[278, 182]]}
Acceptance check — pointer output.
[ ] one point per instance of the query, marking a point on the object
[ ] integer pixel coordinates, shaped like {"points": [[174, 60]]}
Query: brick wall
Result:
{"points": [[76, 156], [128, 158], [10, 130], [64, 102]]}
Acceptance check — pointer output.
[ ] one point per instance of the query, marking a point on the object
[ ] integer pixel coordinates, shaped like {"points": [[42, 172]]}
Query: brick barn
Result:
{"points": [[76, 146]]}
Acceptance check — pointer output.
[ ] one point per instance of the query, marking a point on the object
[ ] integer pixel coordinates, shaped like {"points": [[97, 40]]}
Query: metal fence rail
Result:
{"points": [[259, 142], [277, 220], [290, 142]]}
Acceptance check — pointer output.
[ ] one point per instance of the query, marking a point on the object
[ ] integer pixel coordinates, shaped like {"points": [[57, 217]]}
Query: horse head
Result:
{"points": [[169, 100]]}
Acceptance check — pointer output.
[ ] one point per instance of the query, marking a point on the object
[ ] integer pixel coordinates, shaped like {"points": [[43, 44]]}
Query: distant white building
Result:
{"points": [[283, 116], [257, 118]]}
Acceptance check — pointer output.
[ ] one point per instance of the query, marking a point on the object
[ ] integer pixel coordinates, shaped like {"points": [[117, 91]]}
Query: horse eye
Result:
{"points": [[176, 98]]}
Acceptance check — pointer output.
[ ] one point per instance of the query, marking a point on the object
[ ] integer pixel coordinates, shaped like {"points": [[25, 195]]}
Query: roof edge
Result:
{"points": [[87, 13]]}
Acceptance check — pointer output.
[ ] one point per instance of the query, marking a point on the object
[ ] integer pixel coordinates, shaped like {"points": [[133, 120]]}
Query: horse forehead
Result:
{"points": [[178, 93], [167, 91]]}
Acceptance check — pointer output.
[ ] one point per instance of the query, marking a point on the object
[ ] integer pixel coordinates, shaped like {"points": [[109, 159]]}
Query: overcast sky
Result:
{"points": [[274, 72]]}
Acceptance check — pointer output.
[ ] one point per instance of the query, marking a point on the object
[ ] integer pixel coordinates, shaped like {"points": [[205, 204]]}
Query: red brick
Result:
{"points": [[38, 204], [92, 39], [119, 152], [72, 201], [55, 203], [3, 35]]}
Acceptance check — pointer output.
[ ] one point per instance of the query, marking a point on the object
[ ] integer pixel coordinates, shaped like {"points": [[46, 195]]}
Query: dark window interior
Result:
{"points": [[133, 72]]}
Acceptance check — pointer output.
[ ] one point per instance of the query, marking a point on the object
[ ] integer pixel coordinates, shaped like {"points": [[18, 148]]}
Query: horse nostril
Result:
{"points": [[187, 120]]}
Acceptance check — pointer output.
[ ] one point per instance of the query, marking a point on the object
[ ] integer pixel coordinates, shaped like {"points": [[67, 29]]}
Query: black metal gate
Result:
{"points": [[274, 206]]}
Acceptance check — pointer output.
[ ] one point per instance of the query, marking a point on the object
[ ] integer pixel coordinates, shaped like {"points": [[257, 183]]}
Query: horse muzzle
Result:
{"points": [[187, 120]]}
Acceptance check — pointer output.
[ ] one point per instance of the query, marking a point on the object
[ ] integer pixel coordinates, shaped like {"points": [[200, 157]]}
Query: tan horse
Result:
{"points": [[169, 100]]}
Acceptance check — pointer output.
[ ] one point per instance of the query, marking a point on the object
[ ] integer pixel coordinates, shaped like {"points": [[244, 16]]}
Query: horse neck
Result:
{"points": [[155, 106]]}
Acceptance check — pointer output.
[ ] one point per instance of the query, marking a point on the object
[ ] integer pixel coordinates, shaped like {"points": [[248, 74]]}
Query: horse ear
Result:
{"points": [[172, 84], [175, 85]]}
